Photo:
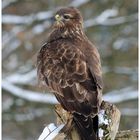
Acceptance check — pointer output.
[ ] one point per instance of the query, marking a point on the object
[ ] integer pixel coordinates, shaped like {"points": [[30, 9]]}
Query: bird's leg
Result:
{"points": [[68, 126]]}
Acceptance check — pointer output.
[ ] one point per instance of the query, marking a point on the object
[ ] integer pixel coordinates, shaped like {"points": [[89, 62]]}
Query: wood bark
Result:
{"points": [[109, 119]]}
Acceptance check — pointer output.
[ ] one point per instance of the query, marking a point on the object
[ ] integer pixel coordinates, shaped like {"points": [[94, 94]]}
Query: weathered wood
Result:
{"points": [[62, 118], [127, 135], [121, 135], [111, 121], [109, 118]]}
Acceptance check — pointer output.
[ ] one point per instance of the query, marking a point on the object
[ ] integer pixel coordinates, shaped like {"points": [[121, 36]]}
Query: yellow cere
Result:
{"points": [[57, 17]]}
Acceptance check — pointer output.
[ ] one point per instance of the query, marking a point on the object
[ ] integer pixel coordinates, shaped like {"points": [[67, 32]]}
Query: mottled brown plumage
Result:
{"points": [[69, 66]]}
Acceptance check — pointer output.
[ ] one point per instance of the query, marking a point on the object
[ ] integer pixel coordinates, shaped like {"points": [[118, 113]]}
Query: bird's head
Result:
{"points": [[69, 17]]}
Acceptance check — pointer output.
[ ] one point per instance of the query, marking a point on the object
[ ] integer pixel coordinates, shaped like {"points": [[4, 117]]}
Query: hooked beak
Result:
{"points": [[58, 17]]}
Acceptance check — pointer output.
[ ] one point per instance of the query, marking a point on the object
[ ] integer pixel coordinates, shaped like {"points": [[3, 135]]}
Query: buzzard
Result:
{"points": [[69, 66]]}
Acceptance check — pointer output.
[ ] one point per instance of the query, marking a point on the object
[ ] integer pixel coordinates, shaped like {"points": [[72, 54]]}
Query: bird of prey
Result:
{"points": [[69, 66]]}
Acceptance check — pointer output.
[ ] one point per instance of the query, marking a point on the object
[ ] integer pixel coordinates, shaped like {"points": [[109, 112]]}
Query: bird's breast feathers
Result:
{"points": [[64, 68], [64, 64]]}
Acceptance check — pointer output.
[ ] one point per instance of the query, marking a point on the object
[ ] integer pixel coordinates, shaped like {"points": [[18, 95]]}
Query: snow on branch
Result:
{"points": [[78, 3], [120, 20], [28, 95], [116, 96], [10, 41], [11, 36], [44, 15], [105, 19], [101, 18], [16, 19], [120, 70], [27, 78], [22, 78], [12, 47]]}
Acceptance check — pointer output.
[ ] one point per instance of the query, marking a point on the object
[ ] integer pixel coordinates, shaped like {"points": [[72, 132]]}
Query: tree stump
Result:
{"points": [[109, 119]]}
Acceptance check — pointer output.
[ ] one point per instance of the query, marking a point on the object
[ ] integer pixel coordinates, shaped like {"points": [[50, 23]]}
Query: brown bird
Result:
{"points": [[69, 66]]}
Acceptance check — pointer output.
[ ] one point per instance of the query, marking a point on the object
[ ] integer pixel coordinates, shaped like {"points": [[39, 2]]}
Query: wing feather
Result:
{"points": [[72, 75]]}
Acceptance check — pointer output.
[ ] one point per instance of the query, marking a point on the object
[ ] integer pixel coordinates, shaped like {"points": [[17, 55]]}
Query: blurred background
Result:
{"points": [[112, 25]]}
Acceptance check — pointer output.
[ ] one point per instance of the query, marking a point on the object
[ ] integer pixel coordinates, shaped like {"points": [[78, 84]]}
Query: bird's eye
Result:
{"points": [[66, 17]]}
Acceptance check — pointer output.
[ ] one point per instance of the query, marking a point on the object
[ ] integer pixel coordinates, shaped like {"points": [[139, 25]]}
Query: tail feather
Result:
{"points": [[86, 126]]}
